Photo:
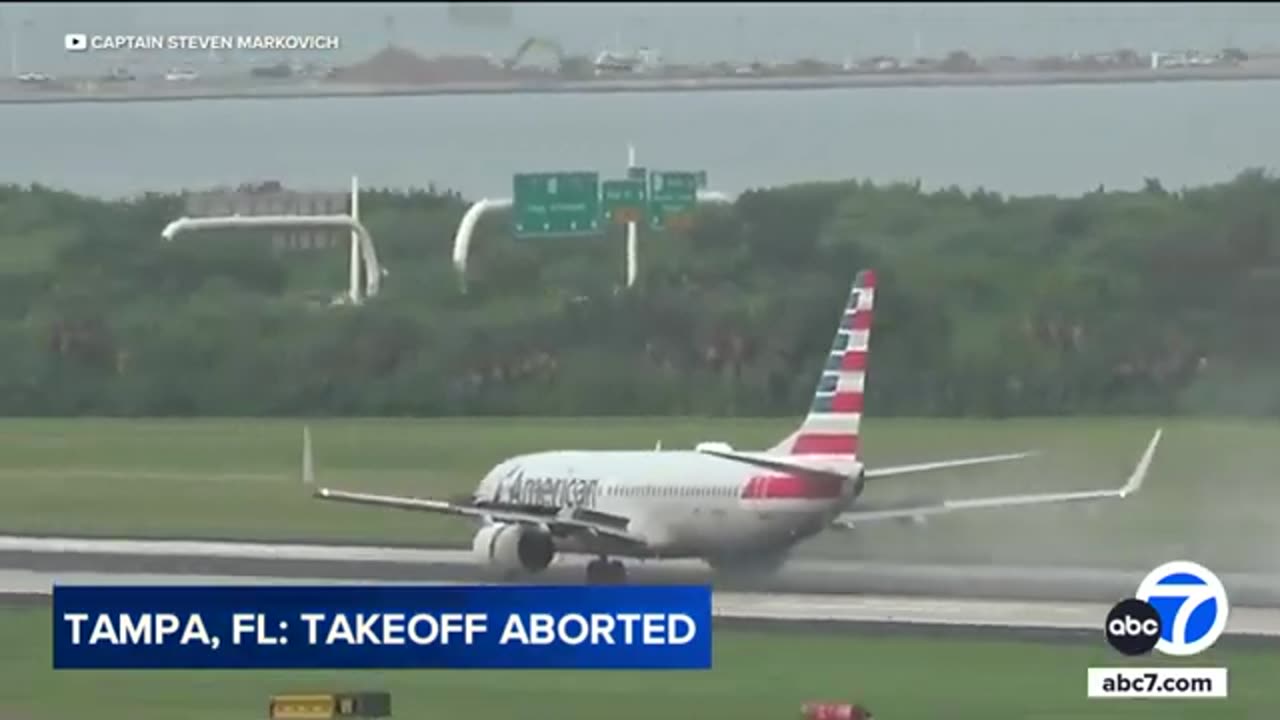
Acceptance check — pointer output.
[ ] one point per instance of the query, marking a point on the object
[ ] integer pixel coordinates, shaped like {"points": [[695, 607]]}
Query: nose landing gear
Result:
{"points": [[603, 571]]}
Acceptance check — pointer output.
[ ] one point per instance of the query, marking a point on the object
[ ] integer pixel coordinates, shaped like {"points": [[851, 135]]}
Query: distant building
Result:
{"points": [[271, 199]]}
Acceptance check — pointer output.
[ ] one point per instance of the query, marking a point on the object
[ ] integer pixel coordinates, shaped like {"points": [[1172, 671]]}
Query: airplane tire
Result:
{"points": [[617, 572], [597, 572], [606, 572]]}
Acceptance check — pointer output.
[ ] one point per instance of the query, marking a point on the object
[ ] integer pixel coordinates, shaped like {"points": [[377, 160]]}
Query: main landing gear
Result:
{"points": [[603, 571]]}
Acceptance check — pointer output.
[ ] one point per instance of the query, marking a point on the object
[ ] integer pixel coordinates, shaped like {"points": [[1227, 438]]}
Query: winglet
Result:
{"points": [[308, 465], [1140, 471]]}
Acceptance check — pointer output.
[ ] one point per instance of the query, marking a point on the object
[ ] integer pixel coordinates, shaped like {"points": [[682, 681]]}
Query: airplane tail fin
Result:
{"points": [[831, 427]]}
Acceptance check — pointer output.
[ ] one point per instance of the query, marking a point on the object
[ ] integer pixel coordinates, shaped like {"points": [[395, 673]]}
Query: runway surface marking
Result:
{"points": [[954, 611], [229, 549], [69, 473], [336, 552], [747, 606]]}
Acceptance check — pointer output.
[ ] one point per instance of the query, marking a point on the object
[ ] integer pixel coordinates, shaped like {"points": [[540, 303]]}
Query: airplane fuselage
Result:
{"points": [[685, 503]]}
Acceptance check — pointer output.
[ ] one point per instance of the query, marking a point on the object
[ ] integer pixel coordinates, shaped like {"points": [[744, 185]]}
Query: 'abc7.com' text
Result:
{"points": [[1180, 609]]}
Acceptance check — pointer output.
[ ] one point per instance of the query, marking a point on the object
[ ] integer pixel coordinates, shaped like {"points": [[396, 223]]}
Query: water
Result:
{"points": [[683, 32], [1029, 140]]}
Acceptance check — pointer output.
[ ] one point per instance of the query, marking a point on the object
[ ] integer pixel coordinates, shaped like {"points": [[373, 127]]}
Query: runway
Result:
{"points": [[1036, 603], [299, 560], [880, 613]]}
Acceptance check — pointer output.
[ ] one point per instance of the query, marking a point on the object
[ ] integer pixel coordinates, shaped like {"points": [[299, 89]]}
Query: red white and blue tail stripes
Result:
{"points": [[831, 428]]}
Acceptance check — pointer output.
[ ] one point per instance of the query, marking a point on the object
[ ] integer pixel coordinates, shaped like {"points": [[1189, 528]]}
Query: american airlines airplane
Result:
{"points": [[737, 510]]}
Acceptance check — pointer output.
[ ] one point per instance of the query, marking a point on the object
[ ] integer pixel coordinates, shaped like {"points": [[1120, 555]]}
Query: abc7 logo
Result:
{"points": [[1181, 609], [1133, 627]]}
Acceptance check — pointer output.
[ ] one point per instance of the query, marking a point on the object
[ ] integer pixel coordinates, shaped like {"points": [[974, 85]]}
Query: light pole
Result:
{"points": [[632, 231]]}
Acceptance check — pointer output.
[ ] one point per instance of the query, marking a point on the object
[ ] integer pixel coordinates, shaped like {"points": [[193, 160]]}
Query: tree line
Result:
{"points": [[1144, 301]]}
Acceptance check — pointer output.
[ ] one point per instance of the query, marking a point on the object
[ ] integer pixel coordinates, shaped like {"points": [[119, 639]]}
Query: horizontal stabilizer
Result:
{"points": [[841, 466]]}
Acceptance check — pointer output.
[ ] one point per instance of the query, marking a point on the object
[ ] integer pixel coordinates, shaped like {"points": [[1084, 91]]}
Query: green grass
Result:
{"points": [[755, 675], [1212, 495], [30, 250]]}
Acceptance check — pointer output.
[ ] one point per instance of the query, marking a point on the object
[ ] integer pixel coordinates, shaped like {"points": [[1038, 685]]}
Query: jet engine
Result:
{"points": [[514, 548]]}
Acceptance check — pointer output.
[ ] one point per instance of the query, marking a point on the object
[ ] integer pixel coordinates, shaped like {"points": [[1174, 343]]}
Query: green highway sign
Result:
{"points": [[623, 201], [558, 203], [672, 197], [637, 173]]}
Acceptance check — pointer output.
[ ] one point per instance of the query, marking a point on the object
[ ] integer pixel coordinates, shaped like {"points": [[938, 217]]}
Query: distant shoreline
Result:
{"points": [[9, 96]]}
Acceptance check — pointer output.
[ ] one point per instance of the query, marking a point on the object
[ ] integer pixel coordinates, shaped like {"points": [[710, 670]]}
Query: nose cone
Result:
{"points": [[487, 488], [490, 487]]}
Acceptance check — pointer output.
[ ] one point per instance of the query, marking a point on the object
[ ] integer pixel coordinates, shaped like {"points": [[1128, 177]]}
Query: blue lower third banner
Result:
{"points": [[604, 627]]}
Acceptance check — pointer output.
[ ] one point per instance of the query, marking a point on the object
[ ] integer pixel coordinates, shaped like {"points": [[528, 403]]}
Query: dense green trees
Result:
{"points": [[1147, 301]]}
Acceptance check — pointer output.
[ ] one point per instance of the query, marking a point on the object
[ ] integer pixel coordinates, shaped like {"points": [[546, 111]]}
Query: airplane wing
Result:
{"points": [[918, 511], [563, 521], [895, 470]]}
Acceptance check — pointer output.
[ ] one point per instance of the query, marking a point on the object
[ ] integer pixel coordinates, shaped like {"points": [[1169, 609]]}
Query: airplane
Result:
{"points": [[737, 511]]}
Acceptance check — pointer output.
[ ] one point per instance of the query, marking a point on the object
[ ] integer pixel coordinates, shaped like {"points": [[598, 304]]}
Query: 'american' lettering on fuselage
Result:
{"points": [[555, 492]]}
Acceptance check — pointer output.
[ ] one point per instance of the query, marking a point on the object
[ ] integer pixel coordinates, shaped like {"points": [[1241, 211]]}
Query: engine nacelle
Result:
{"points": [[514, 548]]}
